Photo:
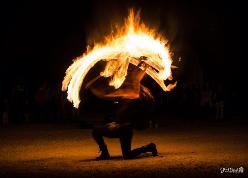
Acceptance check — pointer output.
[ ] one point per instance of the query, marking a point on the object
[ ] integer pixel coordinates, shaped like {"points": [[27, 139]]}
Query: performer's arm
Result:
{"points": [[130, 91]]}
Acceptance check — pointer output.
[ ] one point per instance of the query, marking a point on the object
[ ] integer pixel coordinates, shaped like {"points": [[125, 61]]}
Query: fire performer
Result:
{"points": [[134, 99], [125, 67]]}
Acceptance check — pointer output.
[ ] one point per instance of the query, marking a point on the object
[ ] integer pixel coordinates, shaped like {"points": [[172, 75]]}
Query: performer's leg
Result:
{"points": [[126, 139], [144, 149], [126, 135], [98, 134]]}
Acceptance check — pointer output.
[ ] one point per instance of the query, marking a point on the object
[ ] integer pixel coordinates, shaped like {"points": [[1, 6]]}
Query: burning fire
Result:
{"points": [[129, 45]]}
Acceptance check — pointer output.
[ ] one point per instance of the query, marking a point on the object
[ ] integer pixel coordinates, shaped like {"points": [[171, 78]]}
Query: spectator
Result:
{"points": [[19, 101], [5, 114], [42, 98], [206, 101], [219, 103]]}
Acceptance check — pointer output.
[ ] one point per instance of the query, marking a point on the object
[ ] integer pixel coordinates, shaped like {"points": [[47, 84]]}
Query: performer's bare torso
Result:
{"points": [[130, 89]]}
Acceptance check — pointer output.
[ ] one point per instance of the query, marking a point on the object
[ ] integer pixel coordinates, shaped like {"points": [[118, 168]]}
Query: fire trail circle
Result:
{"points": [[129, 45]]}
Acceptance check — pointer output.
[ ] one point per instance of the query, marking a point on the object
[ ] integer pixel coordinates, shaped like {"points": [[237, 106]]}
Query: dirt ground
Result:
{"points": [[191, 149]]}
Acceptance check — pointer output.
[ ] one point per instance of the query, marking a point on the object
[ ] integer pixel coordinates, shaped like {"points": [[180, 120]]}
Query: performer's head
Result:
{"points": [[142, 62]]}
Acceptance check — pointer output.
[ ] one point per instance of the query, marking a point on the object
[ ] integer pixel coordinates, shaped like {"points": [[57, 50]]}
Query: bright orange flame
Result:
{"points": [[127, 46]]}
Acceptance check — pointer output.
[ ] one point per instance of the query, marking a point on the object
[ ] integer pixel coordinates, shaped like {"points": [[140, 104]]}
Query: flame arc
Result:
{"points": [[128, 46]]}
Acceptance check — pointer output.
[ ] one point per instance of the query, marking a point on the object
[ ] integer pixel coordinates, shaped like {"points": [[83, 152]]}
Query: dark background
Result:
{"points": [[40, 39]]}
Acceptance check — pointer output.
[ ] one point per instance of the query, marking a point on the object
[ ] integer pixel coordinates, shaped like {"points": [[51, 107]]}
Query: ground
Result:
{"points": [[192, 149]]}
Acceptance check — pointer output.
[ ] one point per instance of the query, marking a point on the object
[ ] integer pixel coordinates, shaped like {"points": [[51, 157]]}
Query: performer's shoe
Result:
{"points": [[103, 156], [104, 153], [152, 148]]}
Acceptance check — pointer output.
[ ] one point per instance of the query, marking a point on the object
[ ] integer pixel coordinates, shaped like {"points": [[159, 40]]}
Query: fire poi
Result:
{"points": [[129, 45]]}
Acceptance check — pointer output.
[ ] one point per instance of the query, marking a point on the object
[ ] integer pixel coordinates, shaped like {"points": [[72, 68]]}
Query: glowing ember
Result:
{"points": [[129, 44]]}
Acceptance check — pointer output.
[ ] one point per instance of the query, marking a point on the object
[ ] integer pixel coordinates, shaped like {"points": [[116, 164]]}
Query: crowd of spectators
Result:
{"points": [[41, 104], [47, 103], [193, 101]]}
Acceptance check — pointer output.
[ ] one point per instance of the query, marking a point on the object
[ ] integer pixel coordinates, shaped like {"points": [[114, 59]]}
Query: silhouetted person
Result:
{"points": [[206, 100], [19, 101], [42, 98], [134, 101], [5, 111], [219, 103]]}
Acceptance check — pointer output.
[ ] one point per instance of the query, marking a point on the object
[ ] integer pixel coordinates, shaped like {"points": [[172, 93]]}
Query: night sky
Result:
{"points": [[40, 38]]}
